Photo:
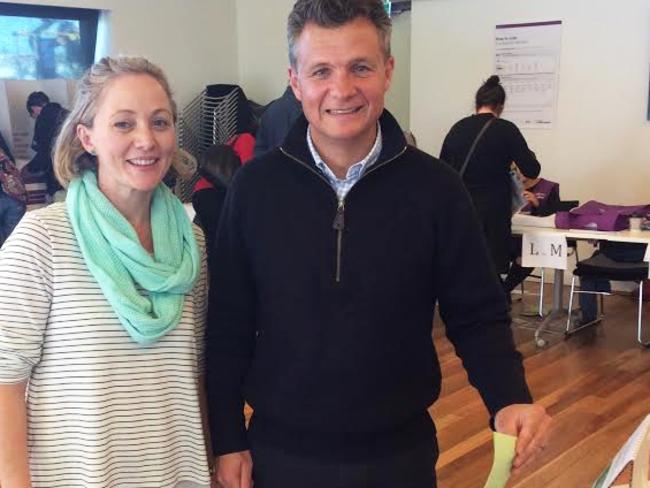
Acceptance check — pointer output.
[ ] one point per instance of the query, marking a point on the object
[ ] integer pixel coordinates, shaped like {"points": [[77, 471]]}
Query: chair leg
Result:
{"points": [[602, 305], [639, 318], [568, 318], [573, 330], [540, 306]]}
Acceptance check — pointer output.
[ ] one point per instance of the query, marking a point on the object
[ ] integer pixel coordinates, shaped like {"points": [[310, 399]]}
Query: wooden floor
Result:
{"points": [[596, 386]]}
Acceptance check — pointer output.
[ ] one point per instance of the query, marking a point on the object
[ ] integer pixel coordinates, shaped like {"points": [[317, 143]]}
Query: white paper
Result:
{"points": [[527, 59], [542, 250], [547, 222], [627, 452]]}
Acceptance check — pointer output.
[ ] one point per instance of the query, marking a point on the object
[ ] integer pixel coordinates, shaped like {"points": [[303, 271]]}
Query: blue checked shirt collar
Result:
{"points": [[342, 187]]}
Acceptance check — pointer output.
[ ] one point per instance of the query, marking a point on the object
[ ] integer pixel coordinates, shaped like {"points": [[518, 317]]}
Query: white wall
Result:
{"points": [[263, 58], [5, 119], [262, 47], [398, 99], [600, 145], [194, 41]]}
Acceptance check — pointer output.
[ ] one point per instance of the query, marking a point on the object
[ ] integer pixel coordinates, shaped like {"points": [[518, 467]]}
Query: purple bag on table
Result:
{"points": [[595, 215]]}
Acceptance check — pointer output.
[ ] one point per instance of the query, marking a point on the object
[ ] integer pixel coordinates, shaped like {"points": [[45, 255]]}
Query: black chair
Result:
{"points": [[602, 267]]}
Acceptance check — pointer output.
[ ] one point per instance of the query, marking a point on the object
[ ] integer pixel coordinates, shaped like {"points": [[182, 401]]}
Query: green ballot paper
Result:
{"points": [[504, 454]]}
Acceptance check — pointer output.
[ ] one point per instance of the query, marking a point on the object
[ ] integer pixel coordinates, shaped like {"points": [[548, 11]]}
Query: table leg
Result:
{"points": [[557, 310]]}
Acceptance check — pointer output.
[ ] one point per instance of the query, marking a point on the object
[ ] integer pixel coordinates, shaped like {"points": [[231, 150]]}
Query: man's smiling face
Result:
{"points": [[341, 77]]}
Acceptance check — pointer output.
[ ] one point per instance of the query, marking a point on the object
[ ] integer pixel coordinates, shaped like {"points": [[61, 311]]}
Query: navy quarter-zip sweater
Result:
{"points": [[321, 313]]}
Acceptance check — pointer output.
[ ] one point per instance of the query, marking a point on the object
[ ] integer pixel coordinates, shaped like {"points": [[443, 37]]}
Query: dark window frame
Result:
{"points": [[88, 20]]}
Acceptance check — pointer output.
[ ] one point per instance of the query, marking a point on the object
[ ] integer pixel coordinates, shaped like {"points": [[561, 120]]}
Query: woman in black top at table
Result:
{"points": [[487, 176]]}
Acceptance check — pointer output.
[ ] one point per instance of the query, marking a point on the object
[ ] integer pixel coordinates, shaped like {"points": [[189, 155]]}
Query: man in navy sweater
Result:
{"points": [[276, 121], [331, 255]]}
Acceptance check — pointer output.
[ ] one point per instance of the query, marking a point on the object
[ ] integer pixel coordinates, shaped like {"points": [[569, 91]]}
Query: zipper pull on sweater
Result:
{"points": [[339, 218], [339, 225]]}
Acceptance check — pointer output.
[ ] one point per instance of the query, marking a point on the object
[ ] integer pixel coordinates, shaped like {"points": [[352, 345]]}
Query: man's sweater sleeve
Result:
{"points": [[230, 331], [473, 305]]}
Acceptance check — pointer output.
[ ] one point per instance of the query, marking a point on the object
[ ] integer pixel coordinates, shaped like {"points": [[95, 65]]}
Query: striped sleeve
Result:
{"points": [[25, 297], [201, 302]]}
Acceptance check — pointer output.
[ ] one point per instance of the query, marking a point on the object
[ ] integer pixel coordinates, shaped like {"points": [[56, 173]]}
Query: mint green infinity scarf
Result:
{"points": [[121, 266]]}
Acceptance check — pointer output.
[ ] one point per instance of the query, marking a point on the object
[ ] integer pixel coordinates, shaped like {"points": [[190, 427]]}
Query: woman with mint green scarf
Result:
{"points": [[103, 304]]}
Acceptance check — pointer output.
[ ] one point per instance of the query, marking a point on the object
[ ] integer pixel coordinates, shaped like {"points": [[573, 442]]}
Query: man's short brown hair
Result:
{"points": [[335, 13]]}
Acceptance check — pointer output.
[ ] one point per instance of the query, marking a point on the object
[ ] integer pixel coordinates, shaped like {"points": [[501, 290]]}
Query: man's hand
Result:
{"points": [[234, 470], [531, 198], [530, 424]]}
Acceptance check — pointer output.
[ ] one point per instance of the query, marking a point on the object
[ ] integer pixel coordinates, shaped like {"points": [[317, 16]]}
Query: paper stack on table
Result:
{"points": [[533, 221]]}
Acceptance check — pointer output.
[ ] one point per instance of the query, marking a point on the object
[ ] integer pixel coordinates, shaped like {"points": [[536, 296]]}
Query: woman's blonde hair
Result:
{"points": [[70, 159]]}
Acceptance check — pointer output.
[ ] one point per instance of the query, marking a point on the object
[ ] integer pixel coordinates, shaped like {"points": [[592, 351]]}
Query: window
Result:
{"points": [[39, 42], [396, 7]]}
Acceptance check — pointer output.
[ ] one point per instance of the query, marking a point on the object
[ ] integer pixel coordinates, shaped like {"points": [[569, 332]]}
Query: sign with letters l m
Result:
{"points": [[544, 251]]}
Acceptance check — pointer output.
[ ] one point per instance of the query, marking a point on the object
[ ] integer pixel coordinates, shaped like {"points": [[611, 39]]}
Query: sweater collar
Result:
{"points": [[393, 141]]}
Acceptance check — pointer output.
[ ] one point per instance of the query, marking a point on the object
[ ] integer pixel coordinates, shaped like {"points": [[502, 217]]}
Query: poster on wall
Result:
{"points": [[527, 59]]}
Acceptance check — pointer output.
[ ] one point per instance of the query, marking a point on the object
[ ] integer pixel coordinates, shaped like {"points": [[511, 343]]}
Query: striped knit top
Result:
{"points": [[103, 411]]}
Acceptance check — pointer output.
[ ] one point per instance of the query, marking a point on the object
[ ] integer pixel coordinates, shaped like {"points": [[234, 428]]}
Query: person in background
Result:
{"points": [[324, 332], [5, 147], [12, 196], [102, 304], [49, 119], [543, 197], [276, 121], [487, 174], [217, 167], [244, 145]]}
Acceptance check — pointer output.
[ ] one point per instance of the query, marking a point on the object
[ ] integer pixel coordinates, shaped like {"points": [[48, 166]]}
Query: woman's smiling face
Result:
{"points": [[133, 136]]}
